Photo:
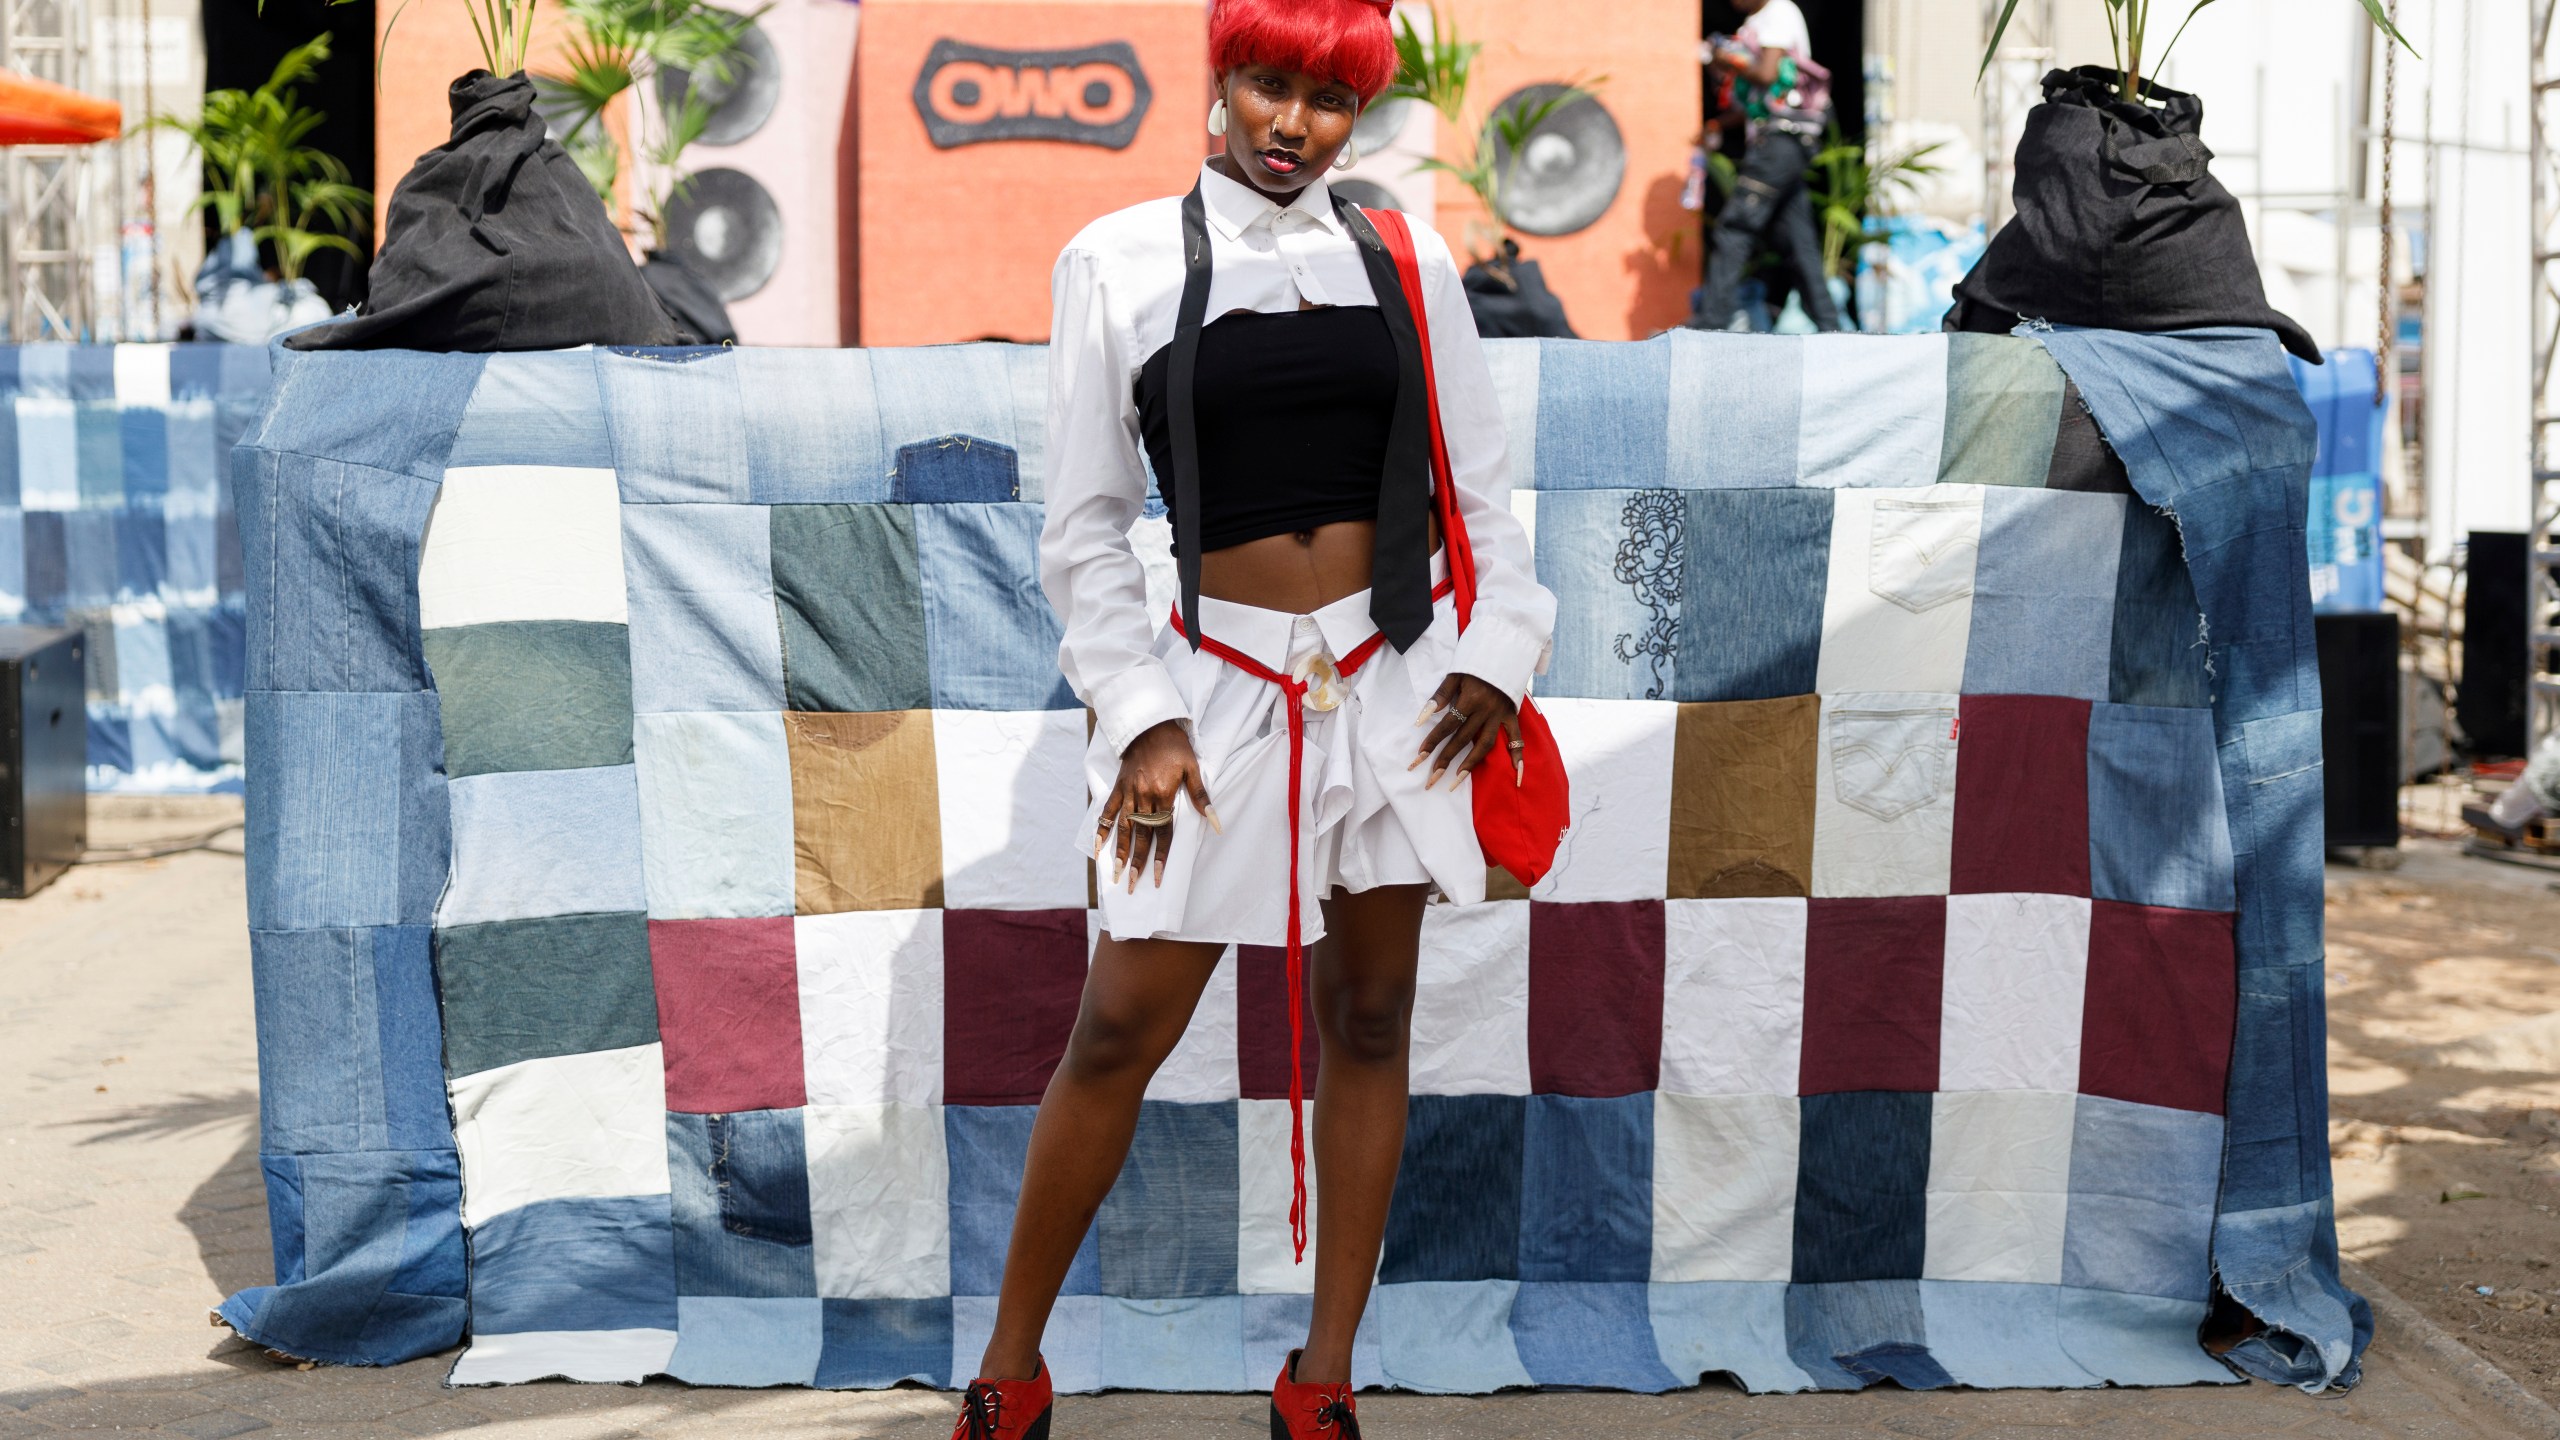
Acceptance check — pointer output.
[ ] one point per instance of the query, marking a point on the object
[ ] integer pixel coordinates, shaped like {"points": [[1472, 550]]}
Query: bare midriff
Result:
{"points": [[1300, 572]]}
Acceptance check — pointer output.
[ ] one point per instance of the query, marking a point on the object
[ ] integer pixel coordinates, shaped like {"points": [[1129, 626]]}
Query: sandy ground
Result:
{"points": [[2444, 1065]]}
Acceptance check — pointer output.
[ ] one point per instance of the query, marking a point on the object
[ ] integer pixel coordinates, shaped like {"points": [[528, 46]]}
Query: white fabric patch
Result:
{"points": [[1618, 753], [879, 1201], [1724, 1187], [1514, 364], [715, 814], [1884, 817], [2017, 969], [871, 1006], [523, 542], [1873, 414], [601, 1357], [563, 1127], [1202, 1069], [1011, 785], [1733, 996], [1471, 1000], [142, 376], [1999, 1185], [1263, 1253], [1897, 606]]}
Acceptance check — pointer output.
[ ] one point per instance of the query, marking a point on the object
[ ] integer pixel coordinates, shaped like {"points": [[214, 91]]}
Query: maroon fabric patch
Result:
{"points": [[2022, 795], [729, 1013], [1873, 969], [1595, 998], [1262, 1023], [2163, 993], [1011, 980]]}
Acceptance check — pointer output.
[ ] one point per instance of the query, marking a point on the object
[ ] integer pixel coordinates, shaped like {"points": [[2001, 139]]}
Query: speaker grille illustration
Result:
{"points": [[740, 100], [726, 228], [1569, 172]]}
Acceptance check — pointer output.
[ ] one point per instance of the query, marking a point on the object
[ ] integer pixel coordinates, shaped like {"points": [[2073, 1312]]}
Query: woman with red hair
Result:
{"points": [[1252, 343]]}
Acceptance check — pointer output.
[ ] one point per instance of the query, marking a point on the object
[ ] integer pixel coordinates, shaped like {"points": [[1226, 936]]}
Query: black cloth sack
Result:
{"points": [[2120, 225], [689, 298], [496, 242], [1511, 301]]}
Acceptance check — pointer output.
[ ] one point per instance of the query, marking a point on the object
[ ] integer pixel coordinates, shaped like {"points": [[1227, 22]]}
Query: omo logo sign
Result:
{"points": [[972, 93]]}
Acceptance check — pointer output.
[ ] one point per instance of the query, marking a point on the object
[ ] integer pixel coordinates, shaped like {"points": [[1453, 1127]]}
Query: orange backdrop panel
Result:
{"points": [[425, 47], [1620, 279], [957, 244]]}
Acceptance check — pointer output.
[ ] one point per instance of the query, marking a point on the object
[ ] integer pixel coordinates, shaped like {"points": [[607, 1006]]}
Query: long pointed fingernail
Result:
{"points": [[1436, 772], [1516, 776], [1118, 864], [1429, 709], [1210, 814], [1418, 757], [1134, 872], [1159, 872]]}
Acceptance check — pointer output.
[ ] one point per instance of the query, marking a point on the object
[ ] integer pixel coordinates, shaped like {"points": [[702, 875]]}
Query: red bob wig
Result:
{"points": [[1345, 41]]}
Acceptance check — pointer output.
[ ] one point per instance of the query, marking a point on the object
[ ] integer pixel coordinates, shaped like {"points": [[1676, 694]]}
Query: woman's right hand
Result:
{"points": [[1156, 767]]}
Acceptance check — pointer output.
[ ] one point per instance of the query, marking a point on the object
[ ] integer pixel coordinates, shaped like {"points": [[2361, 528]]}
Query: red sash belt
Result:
{"points": [[1296, 690]]}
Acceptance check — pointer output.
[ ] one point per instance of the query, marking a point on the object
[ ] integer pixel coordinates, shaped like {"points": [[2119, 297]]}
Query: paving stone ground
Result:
{"points": [[130, 1202]]}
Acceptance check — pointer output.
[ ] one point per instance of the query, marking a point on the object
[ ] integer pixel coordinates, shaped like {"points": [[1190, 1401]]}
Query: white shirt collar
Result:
{"points": [[1235, 207]]}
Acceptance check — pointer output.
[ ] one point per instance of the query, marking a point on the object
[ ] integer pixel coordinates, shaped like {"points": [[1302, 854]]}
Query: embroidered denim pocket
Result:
{"points": [[1891, 762], [760, 1175], [1920, 552]]}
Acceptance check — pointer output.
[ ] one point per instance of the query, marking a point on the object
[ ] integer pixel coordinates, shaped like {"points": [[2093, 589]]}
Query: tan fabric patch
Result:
{"points": [[1742, 800], [866, 816]]}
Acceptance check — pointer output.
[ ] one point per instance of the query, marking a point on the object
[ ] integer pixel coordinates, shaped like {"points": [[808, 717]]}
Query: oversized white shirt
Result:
{"points": [[1116, 293]]}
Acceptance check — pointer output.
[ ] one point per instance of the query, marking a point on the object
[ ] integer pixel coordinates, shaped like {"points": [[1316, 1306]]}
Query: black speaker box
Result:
{"points": [[44, 757], [2360, 727], [2490, 699]]}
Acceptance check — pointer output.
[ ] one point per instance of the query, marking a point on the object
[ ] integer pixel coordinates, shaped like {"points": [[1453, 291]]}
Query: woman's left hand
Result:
{"points": [[1474, 720]]}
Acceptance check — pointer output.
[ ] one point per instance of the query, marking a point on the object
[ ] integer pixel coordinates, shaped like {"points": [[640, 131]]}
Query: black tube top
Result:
{"points": [[1292, 408]]}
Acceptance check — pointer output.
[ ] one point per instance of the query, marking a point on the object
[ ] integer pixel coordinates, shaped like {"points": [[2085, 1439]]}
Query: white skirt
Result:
{"points": [[1364, 818]]}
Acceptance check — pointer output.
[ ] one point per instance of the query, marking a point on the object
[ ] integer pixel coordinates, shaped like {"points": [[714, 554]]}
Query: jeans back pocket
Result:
{"points": [[1890, 762], [1920, 553]]}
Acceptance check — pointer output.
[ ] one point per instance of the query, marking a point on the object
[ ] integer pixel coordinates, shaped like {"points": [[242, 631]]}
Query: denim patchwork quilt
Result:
{"points": [[116, 519], [665, 889]]}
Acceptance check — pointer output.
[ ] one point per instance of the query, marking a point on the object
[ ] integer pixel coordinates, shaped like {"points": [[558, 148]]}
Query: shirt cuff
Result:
{"points": [[1136, 701], [1502, 656]]}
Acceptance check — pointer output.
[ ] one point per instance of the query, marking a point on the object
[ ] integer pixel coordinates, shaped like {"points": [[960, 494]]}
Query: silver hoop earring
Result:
{"points": [[1218, 116], [1349, 157]]}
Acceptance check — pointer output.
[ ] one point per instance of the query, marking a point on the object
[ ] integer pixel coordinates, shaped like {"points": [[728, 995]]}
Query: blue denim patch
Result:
{"points": [[90, 552], [48, 433], [1603, 415], [704, 635], [989, 632], [1873, 415], [931, 391], [1613, 559], [535, 408], [375, 1234], [1456, 1210], [142, 434], [741, 1204], [2157, 831], [2282, 1264], [850, 648], [1595, 1335], [985, 1145], [349, 1041], [346, 810], [585, 1264], [48, 565], [142, 554], [956, 469], [394, 410], [2278, 1153], [1736, 407], [1190, 1344], [1751, 597], [1849, 1336], [1586, 1201], [99, 428], [2142, 1194], [2138, 1339], [726, 1340], [1995, 1334], [813, 427], [2156, 653], [874, 1344], [1274, 1325], [2274, 781], [1168, 1227], [91, 372], [194, 550], [1861, 1187], [1448, 1337], [2044, 593], [1729, 1327], [679, 431], [331, 552]]}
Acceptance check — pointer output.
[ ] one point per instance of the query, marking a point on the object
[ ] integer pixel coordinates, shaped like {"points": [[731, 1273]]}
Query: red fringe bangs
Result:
{"points": [[1336, 40]]}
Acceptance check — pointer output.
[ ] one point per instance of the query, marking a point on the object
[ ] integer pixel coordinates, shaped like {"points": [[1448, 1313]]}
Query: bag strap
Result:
{"points": [[1396, 238]]}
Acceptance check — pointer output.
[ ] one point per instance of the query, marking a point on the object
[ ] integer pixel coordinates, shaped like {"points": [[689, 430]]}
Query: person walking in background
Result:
{"points": [[1783, 99]]}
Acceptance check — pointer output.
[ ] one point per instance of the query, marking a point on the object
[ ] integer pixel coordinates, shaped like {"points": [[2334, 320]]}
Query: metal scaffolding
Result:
{"points": [[45, 188], [2542, 589]]}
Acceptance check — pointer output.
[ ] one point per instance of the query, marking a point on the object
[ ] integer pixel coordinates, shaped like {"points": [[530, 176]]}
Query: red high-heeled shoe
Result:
{"points": [[1311, 1412], [1006, 1409]]}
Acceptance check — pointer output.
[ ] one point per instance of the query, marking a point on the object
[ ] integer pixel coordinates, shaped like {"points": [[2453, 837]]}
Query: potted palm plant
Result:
{"points": [[2119, 221]]}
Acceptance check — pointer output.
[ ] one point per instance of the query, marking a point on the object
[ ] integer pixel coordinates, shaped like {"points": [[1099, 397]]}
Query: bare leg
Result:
{"points": [[1138, 1000], [1364, 973]]}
